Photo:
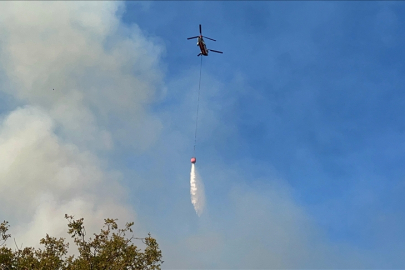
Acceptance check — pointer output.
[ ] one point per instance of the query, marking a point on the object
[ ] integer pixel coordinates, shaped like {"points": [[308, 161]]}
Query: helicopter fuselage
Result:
{"points": [[201, 44]]}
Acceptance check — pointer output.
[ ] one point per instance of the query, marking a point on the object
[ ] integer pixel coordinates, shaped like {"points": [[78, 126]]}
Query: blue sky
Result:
{"points": [[300, 142], [318, 104]]}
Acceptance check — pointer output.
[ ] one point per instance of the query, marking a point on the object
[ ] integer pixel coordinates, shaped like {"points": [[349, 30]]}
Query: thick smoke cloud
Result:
{"points": [[83, 83], [104, 74], [43, 178]]}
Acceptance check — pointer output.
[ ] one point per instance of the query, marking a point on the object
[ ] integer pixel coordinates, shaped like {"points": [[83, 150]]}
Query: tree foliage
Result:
{"points": [[110, 249]]}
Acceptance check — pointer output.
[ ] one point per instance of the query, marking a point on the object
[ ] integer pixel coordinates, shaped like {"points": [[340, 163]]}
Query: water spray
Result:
{"points": [[196, 191]]}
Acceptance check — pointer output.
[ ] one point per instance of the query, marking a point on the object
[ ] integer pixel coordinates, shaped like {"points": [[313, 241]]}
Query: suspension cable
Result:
{"points": [[198, 105]]}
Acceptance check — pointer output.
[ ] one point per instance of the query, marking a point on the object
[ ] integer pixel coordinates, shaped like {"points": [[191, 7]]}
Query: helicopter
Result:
{"points": [[201, 44]]}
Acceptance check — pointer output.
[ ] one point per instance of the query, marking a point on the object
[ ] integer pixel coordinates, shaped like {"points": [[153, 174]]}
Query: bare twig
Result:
{"points": [[17, 245]]}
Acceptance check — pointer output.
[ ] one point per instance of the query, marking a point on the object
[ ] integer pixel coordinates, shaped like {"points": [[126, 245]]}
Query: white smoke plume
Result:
{"points": [[196, 191], [42, 179], [83, 82]]}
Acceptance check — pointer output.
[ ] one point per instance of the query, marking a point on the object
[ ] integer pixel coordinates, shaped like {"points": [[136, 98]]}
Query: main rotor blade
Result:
{"points": [[200, 29], [214, 51], [193, 37], [210, 38]]}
